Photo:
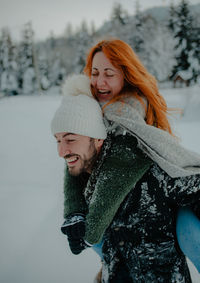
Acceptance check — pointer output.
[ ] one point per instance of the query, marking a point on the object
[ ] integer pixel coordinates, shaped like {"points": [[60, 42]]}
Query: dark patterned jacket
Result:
{"points": [[142, 236]]}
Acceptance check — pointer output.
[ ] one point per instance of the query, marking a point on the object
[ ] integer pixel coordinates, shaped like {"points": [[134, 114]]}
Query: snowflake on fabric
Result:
{"points": [[147, 202]]}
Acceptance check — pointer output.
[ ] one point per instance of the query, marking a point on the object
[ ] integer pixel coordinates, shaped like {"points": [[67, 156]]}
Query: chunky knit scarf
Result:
{"points": [[159, 145]]}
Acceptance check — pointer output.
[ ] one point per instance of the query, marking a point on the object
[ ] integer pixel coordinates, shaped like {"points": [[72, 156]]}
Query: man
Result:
{"points": [[81, 140]]}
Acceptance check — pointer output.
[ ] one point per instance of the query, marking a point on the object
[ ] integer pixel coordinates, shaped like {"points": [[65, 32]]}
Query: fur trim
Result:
{"points": [[77, 84]]}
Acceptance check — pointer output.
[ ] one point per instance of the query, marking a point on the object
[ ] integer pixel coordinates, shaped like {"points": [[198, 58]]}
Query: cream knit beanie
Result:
{"points": [[79, 113]]}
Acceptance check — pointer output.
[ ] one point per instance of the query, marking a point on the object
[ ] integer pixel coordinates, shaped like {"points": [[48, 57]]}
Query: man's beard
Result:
{"points": [[87, 163]]}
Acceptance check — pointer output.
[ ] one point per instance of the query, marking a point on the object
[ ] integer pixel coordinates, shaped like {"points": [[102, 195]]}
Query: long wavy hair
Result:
{"points": [[138, 81]]}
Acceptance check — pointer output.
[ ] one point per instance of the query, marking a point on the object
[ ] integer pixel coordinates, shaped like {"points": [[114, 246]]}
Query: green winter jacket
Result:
{"points": [[119, 167]]}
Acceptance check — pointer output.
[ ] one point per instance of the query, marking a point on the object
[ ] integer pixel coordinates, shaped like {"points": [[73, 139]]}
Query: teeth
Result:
{"points": [[71, 159], [105, 91]]}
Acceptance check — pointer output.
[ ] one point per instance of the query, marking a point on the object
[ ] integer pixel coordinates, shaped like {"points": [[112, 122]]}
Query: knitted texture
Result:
{"points": [[79, 113], [159, 145]]}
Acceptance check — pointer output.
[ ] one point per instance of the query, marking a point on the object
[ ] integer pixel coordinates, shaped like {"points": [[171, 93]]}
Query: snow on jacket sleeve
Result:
{"points": [[124, 165], [184, 191], [74, 201], [180, 191]]}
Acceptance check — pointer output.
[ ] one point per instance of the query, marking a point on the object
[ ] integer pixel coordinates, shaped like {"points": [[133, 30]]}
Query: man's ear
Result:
{"points": [[98, 143]]}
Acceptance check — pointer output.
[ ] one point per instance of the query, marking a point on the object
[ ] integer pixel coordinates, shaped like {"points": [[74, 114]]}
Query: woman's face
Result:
{"points": [[106, 80]]}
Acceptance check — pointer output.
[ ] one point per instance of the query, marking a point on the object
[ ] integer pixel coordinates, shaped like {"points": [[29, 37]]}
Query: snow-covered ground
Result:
{"points": [[32, 248]]}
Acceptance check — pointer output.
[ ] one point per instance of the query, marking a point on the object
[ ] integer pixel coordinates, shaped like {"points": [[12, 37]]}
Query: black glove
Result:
{"points": [[74, 228], [77, 245]]}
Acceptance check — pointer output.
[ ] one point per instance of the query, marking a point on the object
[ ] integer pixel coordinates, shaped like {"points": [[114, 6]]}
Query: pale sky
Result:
{"points": [[53, 15]]}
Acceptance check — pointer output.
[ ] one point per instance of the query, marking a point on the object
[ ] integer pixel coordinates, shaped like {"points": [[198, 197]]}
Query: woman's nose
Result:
{"points": [[100, 81]]}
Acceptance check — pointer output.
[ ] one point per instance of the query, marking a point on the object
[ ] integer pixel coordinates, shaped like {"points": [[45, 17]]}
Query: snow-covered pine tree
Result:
{"points": [[92, 29], [68, 30], [43, 68], [68, 53], [56, 71], [172, 17], [83, 41], [57, 55], [118, 14], [8, 64], [158, 49], [29, 77], [183, 32], [136, 37], [5, 44], [118, 26], [195, 60]]}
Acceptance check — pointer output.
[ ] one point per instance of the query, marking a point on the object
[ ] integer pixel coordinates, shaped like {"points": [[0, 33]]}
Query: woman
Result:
{"points": [[135, 105], [102, 83]]}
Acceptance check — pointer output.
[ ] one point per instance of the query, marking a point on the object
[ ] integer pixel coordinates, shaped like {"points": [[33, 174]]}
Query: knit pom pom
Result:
{"points": [[77, 84]]}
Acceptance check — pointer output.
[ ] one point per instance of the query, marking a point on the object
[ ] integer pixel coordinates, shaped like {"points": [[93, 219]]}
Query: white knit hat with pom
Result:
{"points": [[79, 113]]}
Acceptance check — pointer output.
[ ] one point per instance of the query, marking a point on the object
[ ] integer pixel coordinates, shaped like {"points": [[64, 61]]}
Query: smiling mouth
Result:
{"points": [[71, 161], [103, 95], [104, 92]]}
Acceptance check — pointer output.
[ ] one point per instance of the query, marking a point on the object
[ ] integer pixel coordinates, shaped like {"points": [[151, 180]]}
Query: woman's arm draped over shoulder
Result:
{"points": [[183, 191], [124, 165], [74, 201]]}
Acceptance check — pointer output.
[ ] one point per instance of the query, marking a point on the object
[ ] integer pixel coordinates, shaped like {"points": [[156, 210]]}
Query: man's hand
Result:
{"points": [[77, 245], [74, 228]]}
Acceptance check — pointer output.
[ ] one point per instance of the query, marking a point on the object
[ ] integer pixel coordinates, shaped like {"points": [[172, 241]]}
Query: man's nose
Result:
{"points": [[63, 149]]}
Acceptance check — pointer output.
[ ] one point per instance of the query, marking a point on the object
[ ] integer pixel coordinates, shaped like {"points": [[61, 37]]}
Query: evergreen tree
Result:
{"points": [[93, 29], [52, 70], [44, 70], [28, 75], [172, 17], [183, 31], [8, 64], [136, 38], [118, 24], [83, 42], [119, 14], [51, 41], [195, 60], [5, 49], [157, 54], [56, 70], [68, 31]]}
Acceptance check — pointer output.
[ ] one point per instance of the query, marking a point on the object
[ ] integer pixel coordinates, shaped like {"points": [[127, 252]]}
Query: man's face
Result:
{"points": [[80, 152]]}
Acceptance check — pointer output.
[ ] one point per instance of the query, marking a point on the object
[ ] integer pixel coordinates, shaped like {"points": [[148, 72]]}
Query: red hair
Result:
{"points": [[137, 79]]}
